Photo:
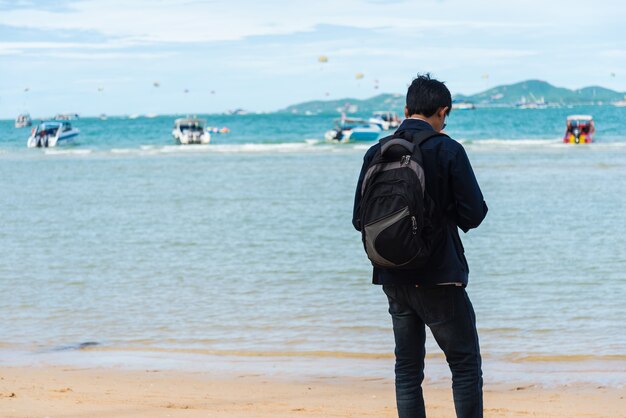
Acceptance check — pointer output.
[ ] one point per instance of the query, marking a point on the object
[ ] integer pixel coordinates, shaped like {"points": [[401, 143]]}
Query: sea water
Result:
{"points": [[245, 247]]}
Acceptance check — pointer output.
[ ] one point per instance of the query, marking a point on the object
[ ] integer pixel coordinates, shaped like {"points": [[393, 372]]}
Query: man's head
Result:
{"points": [[428, 99]]}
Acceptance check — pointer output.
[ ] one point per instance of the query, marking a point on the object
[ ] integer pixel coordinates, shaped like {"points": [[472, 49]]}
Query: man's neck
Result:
{"points": [[420, 118]]}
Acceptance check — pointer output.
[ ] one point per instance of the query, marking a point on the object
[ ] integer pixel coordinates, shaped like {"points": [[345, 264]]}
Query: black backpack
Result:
{"points": [[395, 211]]}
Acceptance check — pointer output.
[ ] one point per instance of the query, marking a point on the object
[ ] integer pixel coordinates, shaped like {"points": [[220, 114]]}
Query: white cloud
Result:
{"points": [[176, 21], [428, 53], [20, 47], [457, 40], [613, 53], [10, 51], [127, 56]]}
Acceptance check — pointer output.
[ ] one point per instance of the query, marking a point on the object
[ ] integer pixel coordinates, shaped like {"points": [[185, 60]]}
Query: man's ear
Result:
{"points": [[442, 111], [406, 112]]}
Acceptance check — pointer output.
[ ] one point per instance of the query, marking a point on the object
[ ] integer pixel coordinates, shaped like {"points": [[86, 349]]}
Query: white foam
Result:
{"points": [[124, 151], [308, 146], [534, 143], [182, 149], [511, 142], [51, 151], [250, 148], [616, 144], [314, 146]]}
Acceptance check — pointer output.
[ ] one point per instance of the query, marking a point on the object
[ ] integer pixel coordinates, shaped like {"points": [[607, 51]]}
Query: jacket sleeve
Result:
{"points": [[469, 205], [356, 222]]}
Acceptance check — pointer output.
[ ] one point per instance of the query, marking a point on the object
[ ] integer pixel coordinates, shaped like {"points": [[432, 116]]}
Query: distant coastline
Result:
{"points": [[524, 94], [529, 93]]}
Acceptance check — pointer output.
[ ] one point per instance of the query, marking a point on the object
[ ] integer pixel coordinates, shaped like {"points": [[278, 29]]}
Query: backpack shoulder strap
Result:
{"points": [[418, 138], [393, 140]]}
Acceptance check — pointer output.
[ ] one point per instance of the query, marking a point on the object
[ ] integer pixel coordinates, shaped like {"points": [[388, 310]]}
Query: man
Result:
{"points": [[434, 295]]}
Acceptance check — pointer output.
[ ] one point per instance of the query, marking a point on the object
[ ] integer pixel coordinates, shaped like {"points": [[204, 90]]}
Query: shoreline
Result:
{"points": [[543, 371], [61, 391]]}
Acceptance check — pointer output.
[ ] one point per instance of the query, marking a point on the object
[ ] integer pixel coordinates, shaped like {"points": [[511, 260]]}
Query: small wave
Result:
{"points": [[574, 358], [312, 145], [538, 142], [124, 151], [510, 142], [500, 330], [308, 146], [249, 148], [167, 149], [250, 353], [50, 151], [608, 144], [259, 148]]}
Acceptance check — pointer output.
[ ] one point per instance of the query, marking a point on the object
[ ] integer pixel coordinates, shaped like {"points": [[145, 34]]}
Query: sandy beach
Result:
{"points": [[58, 391]]}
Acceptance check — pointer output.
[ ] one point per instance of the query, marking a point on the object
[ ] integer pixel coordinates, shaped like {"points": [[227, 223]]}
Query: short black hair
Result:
{"points": [[426, 95]]}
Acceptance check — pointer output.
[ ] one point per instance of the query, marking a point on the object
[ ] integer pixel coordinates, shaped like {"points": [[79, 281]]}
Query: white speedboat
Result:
{"points": [[463, 105], [52, 134], [190, 131], [620, 103], [23, 120], [533, 103], [385, 119], [66, 116], [348, 130]]}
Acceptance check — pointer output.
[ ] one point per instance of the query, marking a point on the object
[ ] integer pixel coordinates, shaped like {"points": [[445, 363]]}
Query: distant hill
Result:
{"points": [[394, 102], [505, 95], [535, 90]]}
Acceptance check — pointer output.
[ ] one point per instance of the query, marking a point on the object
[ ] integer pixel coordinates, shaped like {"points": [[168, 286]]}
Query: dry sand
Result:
{"points": [[60, 392]]}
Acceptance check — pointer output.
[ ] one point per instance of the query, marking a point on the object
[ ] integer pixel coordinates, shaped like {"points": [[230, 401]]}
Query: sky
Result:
{"points": [[105, 56]]}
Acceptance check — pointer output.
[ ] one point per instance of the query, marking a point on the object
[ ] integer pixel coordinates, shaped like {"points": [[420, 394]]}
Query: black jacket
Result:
{"points": [[451, 183]]}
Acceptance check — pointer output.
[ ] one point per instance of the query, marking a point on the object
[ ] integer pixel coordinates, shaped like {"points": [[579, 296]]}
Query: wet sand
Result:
{"points": [[61, 391]]}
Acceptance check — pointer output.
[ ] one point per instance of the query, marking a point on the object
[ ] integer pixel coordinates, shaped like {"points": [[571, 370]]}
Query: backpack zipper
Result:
{"points": [[405, 160], [414, 221]]}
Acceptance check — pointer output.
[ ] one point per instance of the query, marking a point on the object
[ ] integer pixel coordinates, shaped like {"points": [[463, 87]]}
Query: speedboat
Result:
{"points": [[620, 103], [533, 103], [347, 130], [23, 120], [66, 116], [190, 131], [52, 134], [463, 105], [580, 129], [385, 119]]}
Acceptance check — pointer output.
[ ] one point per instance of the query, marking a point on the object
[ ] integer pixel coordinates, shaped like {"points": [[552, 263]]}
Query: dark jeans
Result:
{"points": [[449, 314]]}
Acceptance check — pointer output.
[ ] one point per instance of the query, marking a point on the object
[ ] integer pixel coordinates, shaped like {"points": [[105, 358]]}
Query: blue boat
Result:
{"points": [[349, 130], [52, 134]]}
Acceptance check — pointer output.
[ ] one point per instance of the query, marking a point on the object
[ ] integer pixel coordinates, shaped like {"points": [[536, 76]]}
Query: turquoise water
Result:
{"points": [[245, 246]]}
